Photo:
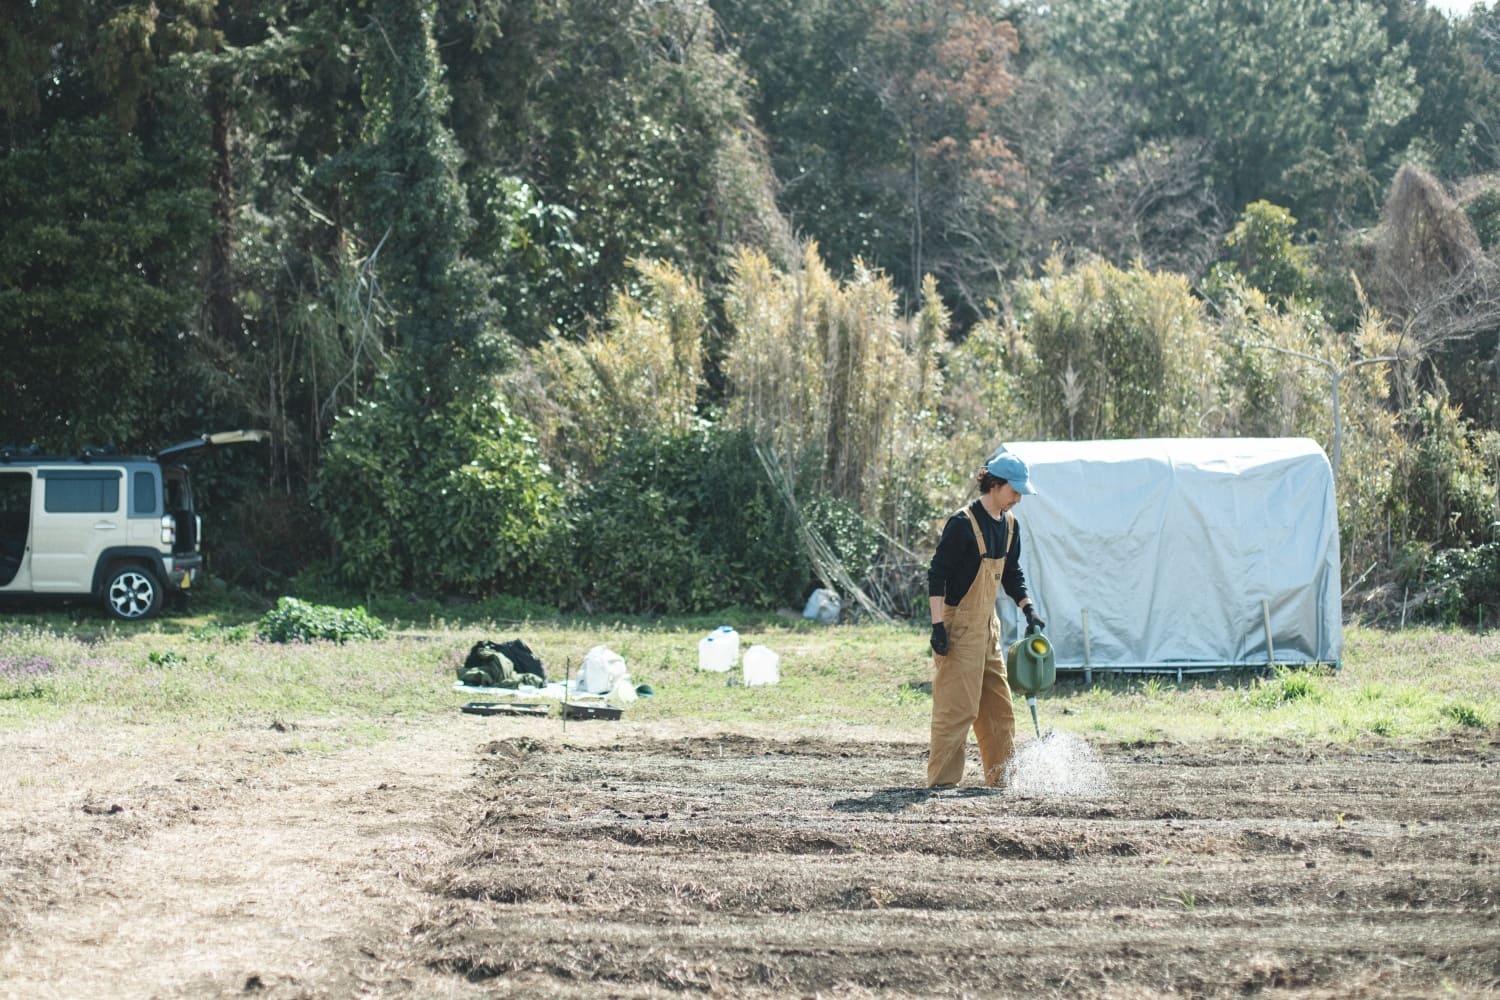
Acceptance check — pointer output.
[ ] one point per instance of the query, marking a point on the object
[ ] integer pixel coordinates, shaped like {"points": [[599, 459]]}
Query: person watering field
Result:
{"points": [[978, 554]]}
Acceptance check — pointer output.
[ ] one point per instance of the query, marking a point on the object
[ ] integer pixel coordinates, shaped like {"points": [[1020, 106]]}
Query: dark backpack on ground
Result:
{"points": [[525, 660], [503, 665]]}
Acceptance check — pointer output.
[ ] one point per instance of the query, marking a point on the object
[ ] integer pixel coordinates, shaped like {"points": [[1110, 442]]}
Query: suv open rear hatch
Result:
{"points": [[206, 441]]}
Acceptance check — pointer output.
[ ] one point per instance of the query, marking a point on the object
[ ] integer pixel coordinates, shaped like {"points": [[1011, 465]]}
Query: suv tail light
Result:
{"points": [[168, 530]]}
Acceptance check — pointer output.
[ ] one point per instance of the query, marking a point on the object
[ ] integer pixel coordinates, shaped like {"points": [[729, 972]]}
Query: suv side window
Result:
{"points": [[68, 492], [143, 493]]}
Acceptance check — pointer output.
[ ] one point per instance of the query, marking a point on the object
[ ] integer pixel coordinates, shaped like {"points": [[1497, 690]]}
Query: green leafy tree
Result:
{"points": [[460, 502], [680, 522], [1301, 100], [1260, 251], [102, 192], [292, 327], [444, 456], [530, 253], [628, 124], [885, 119], [415, 210], [1481, 203], [1457, 118], [833, 147], [99, 239]]}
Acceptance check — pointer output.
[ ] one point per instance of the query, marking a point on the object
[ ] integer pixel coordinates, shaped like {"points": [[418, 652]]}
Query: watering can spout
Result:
{"points": [[1031, 668]]}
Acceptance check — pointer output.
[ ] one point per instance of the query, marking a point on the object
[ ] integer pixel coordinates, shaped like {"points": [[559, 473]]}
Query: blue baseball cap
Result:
{"points": [[1011, 469]]}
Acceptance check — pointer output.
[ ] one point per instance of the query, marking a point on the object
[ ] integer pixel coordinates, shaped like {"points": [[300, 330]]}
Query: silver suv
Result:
{"points": [[120, 528]]}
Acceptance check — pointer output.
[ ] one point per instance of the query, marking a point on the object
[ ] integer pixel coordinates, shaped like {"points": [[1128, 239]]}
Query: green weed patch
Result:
{"points": [[209, 672], [293, 620]]}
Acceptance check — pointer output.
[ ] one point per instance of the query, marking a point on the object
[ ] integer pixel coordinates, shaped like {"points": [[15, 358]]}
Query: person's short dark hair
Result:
{"points": [[988, 482]]}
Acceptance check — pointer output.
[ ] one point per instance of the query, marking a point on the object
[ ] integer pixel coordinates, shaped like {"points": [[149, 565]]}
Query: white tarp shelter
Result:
{"points": [[1182, 554]]}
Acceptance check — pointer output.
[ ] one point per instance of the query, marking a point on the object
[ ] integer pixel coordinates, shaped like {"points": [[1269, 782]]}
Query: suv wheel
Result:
{"points": [[132, 593]]}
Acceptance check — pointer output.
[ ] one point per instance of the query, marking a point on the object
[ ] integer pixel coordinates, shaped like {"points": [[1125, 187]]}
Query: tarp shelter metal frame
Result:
{"points": [[1182, 555]]}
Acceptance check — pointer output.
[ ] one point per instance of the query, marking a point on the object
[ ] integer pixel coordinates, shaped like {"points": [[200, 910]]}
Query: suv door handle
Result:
{"points": [[104, 526]]}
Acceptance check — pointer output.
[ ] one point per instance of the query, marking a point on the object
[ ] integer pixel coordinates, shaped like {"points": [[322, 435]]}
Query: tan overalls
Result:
{"points": [[969, 686]]}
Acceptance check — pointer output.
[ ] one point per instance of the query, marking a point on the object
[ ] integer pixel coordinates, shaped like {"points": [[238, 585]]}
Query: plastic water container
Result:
{"points": [[728, 635], [714, 653], [762, 666]]}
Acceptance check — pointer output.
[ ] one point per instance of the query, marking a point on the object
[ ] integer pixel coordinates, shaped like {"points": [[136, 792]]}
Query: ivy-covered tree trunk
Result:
{"points": [[415, 213], [432, 483], [223, 313]]}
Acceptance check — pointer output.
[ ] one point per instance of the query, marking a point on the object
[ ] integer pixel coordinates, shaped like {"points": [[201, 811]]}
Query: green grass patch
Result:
{"points": [[1465, 715], [1287, 686], [1413, 684], [208, 670]]}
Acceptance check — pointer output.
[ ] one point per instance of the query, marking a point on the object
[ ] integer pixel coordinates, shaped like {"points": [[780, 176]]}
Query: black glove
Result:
{"points": [[1034, 620], [940, 638]]}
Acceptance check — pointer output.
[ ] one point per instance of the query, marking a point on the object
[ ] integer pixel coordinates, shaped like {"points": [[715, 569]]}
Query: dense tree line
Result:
{"points": [[675, 305]]}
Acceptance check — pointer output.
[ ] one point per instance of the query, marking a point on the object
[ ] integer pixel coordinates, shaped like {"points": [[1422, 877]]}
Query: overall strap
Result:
{"points": [[978, 532]]}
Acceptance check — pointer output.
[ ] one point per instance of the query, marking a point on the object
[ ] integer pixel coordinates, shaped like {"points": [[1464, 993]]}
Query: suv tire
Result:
{"points": [[132, 593]]}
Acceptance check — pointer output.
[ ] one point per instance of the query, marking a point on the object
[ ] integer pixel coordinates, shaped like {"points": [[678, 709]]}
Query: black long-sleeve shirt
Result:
{"points": [[956, 561]]}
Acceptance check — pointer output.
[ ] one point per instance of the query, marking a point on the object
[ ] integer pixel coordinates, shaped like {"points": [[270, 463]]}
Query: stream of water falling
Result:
{"points": [[1059, 765]]}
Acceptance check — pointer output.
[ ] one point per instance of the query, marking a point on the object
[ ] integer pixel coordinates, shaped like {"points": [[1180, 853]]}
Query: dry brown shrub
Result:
{"points": [[827, 372], [640, 371], [1430, 273]]}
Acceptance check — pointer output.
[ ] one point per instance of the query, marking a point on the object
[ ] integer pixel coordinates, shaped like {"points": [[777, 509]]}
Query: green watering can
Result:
{"points": [[1031, 668]]}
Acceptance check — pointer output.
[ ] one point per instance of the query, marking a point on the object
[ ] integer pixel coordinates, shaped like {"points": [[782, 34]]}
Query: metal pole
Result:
{"points": [[1265, 610], [1088, 666]]}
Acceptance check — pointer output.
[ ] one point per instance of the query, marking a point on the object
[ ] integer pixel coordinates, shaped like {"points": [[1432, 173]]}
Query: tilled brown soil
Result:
{"points": [[503, 857], [749, 866]]}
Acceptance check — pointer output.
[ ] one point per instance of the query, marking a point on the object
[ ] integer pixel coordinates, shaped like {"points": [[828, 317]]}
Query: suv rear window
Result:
{"points": [[69, 492]]}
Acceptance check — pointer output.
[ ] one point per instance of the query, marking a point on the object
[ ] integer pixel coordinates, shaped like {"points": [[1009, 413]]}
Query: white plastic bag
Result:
{"points": [[602, 666]]}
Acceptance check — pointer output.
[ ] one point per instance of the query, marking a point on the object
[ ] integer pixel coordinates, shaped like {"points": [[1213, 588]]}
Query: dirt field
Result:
{"points": [[502, 857]]}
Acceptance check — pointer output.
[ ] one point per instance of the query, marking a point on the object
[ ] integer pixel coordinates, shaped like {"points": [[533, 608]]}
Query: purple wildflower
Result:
{"points": [[23, 668]]}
